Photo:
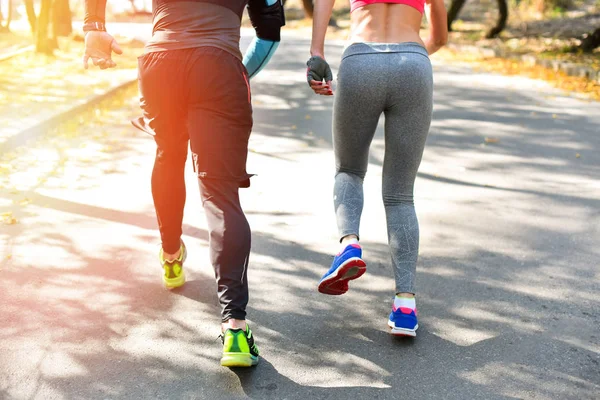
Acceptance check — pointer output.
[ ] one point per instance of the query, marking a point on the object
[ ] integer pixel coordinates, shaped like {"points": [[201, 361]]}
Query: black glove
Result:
{"points": [[318, 70]]}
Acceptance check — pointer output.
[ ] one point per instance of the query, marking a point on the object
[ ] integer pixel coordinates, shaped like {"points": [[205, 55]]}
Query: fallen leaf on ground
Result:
{"points": [[8, 219], [491, 140], [558, 79]]}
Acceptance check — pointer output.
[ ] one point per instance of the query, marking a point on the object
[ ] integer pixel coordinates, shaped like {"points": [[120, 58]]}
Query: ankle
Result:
{"points": [[173, 256], [233, 323], [405, 301], [404, 295], [349, 239]]}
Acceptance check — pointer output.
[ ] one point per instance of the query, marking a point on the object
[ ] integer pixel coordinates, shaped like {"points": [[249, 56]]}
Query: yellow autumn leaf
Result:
{"points": [[8, 219], [510, 67]]}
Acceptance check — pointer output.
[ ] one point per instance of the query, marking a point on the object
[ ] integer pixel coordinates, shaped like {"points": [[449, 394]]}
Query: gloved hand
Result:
{"points": [[317, 71], [99, 47]]}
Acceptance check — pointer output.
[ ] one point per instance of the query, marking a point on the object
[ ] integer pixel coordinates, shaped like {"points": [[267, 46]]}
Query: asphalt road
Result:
{"points": [[508, 276]]}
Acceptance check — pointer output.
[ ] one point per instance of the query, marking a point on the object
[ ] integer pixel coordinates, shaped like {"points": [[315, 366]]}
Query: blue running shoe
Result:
{"points": [[346, 266], [403, 321]]}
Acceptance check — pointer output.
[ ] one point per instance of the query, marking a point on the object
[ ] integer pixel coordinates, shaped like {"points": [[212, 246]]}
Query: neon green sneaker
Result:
{"points": [[173, 276], [239, 349]]}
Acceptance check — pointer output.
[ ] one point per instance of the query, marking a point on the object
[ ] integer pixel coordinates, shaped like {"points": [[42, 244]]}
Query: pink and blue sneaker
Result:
{"points": [[346, 266], [403, 321]]}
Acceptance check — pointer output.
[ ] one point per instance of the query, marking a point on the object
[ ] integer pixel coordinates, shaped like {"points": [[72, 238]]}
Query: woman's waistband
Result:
{"points": [[375, 48]]}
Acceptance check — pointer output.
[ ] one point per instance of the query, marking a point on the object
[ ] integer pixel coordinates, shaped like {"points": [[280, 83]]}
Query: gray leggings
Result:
{"points": [[394, 79]]}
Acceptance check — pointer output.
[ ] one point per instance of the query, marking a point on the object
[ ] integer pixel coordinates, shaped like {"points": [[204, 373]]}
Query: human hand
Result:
{"points": [[317, 71], [99, 46]]}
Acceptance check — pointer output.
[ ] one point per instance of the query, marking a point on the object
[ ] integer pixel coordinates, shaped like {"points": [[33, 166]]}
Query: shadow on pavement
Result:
{"points": [[507, 276]]}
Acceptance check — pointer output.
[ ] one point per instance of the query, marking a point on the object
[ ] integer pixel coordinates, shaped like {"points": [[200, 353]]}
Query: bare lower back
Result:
{"points": [[385, 23]]}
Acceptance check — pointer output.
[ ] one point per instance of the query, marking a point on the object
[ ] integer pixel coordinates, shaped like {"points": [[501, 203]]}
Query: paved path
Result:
{"points": [[508, 274]]}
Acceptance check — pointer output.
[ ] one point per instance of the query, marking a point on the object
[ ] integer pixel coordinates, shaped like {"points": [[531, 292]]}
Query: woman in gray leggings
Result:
{"points": [[384, 69]]}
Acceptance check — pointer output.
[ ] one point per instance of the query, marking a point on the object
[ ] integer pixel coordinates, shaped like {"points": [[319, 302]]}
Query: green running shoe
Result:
{"points": [[239, 349], [173, 276]]}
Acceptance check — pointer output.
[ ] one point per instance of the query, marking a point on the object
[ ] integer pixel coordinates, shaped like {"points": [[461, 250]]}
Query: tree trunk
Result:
{"points": [[308, 7], [53, 38], [31, 15], [454, 10], [502, 18], [6, 17], [61, 18], [590, 42], [42, 44]]}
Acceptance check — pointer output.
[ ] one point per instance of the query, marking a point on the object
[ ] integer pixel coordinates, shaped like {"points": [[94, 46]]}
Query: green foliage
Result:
{"points": [[557, 12], [560, 5]]}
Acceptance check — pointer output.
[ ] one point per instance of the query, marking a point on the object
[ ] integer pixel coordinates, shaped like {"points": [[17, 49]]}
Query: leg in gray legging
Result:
{"points": [[404, 142], [355, 120], [398, 83], [407, 121]]}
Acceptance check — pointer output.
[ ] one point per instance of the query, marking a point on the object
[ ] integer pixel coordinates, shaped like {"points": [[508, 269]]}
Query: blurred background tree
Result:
{"points": [[457, 5], [54, 21], [308, 6], [6, 14], [589, 42], [559, 20], [474, 20], [30, 10]]}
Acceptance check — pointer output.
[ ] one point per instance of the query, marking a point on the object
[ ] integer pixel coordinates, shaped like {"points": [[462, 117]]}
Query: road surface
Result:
{"points": [[508, 275]]}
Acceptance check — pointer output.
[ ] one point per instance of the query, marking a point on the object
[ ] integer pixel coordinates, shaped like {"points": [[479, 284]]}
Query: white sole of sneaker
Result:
{"points": [[402, 331]]}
